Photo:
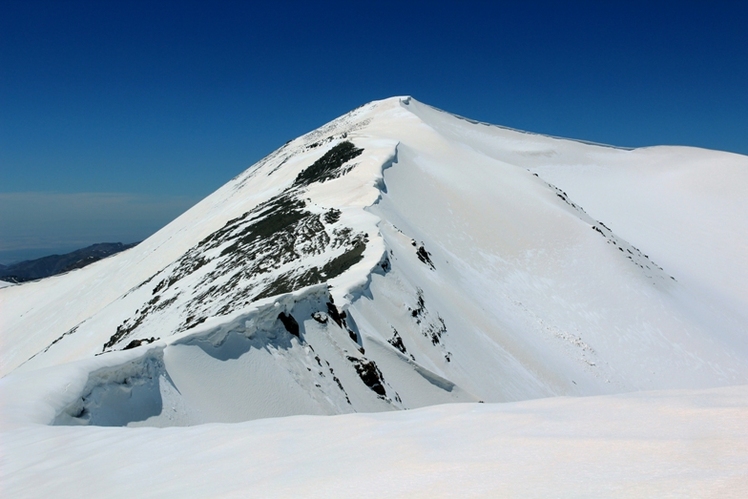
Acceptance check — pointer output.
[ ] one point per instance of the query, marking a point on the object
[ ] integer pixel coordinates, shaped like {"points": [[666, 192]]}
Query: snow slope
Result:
{"points": [[401, 257], [688, 205]]}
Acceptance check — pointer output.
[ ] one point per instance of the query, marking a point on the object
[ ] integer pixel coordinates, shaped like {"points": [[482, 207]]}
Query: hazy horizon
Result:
{"points": [[37, 224]]}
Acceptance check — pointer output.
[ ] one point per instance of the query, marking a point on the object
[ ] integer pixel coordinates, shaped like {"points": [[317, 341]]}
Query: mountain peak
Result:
{"points": [[396, 257]]}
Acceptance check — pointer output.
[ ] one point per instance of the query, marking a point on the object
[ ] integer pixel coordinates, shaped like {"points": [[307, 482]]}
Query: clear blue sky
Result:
{"points": [[116, 116]]}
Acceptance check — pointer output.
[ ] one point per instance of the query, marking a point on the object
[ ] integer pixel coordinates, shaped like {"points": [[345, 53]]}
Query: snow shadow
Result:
{"points": [[230, 344], [119, 395], [272, 326]]}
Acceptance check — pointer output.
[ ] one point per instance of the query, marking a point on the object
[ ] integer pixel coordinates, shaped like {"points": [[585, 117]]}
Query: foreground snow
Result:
{"points": [[648, 444]]}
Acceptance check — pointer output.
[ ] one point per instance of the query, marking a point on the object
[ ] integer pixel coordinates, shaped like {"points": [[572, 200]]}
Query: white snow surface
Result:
{"points": [[648, 444], [401, 257]]}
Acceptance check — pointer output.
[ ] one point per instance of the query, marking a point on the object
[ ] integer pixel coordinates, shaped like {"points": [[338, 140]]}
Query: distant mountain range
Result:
{"points": [[30, 270]]}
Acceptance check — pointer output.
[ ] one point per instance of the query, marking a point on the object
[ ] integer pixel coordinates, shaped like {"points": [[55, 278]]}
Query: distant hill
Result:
{"points": [[57, 264]]}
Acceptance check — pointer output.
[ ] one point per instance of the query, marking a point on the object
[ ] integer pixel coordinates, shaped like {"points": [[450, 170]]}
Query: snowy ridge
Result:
{"points": [[395, 258]]}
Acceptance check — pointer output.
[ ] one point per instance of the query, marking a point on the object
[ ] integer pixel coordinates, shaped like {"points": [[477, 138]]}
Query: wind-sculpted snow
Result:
{"points": [[395, 258], [119, 395], [301, 338]]}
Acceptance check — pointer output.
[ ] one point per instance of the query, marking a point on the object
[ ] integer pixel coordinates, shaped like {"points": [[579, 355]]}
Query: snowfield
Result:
{"points": [[648, 444], [397, 259]]}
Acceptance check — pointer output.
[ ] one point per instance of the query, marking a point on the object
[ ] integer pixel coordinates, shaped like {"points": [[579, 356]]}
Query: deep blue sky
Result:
{"points": [[130, 111]]}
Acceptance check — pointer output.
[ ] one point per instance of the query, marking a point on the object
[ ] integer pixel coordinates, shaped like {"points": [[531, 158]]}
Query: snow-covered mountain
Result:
{"points": [[398, 257]]}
